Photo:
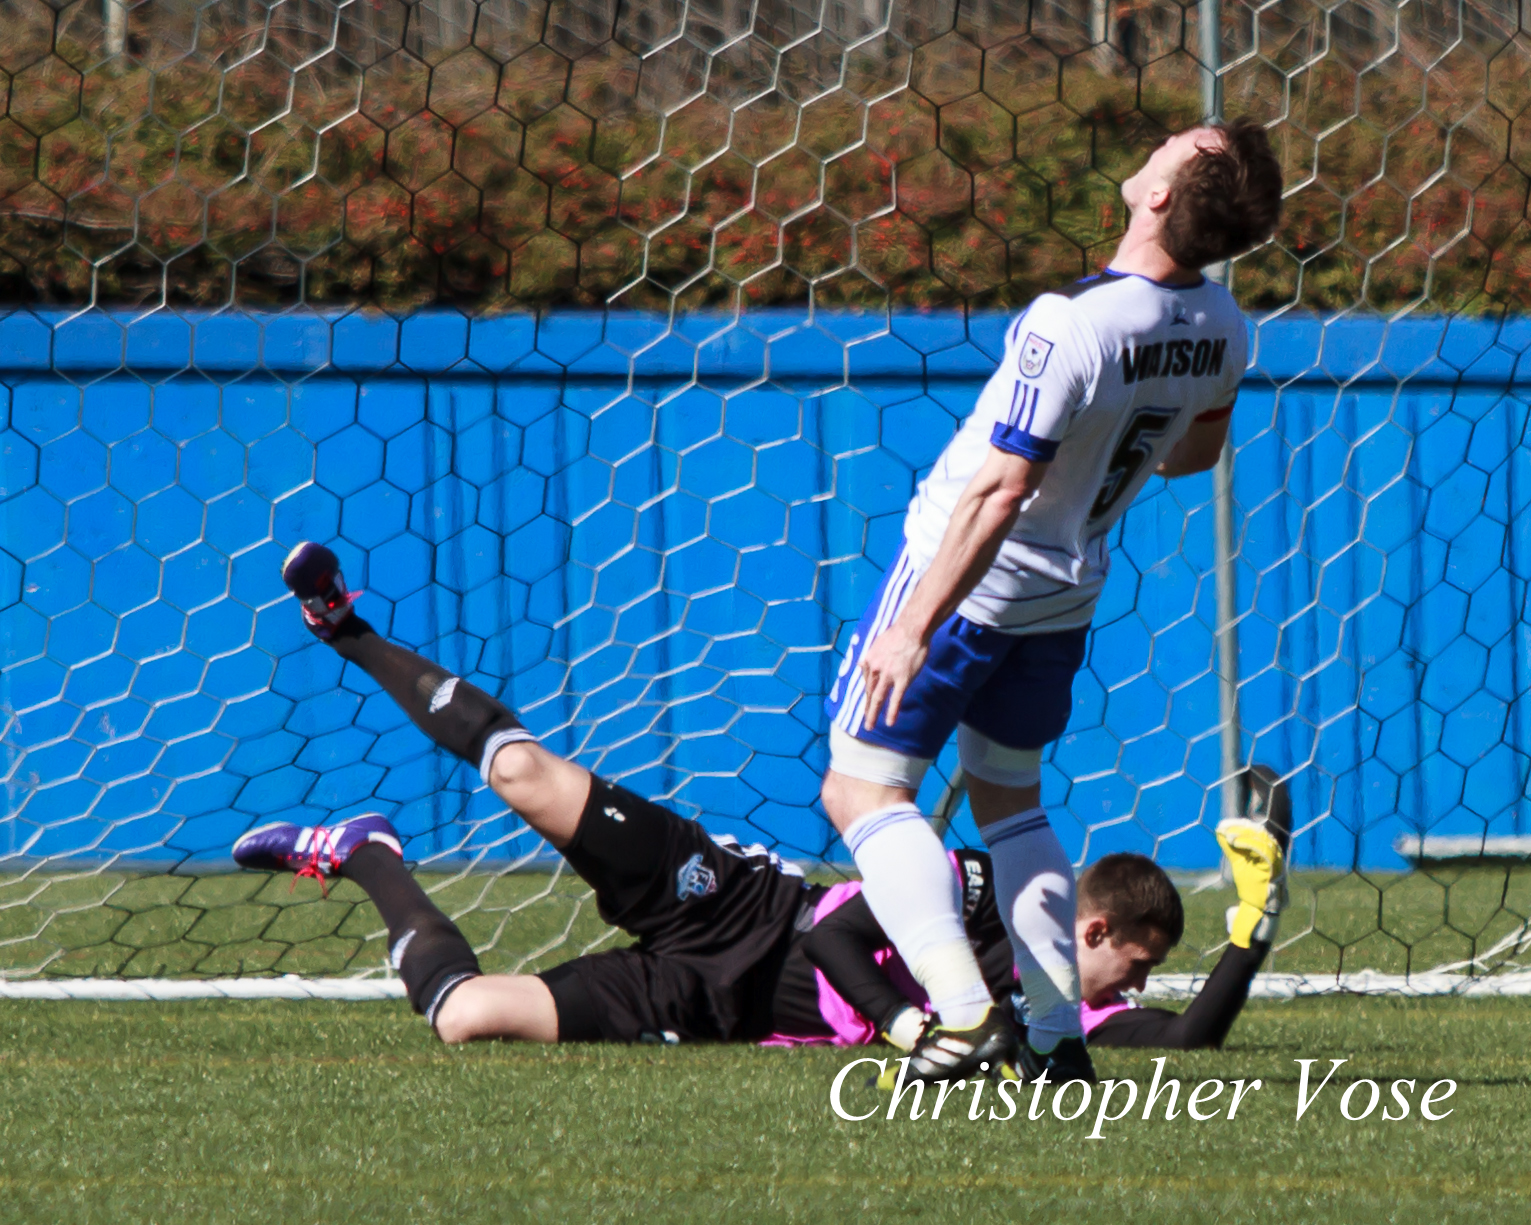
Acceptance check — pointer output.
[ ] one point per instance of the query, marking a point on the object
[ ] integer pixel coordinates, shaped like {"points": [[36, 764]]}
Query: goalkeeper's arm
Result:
{"points": [[1259, 875], [1205, 1023], [843, 946], [846, 943]]}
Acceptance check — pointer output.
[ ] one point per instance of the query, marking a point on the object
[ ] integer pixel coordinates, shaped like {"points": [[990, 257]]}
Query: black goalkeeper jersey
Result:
{"points": [[731, 941], [845, 942]]}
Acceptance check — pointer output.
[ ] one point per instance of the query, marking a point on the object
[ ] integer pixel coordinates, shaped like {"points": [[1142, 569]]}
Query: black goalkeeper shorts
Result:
{"points": [[712, 920], [627, 995]]}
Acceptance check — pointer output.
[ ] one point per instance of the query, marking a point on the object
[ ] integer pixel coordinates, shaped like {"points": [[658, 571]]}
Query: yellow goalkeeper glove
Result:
{"points": [[1259, 875]]}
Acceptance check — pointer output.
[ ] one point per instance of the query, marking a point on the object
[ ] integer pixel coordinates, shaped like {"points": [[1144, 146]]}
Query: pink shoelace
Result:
{"points": [[350, 602], [323, 841]]}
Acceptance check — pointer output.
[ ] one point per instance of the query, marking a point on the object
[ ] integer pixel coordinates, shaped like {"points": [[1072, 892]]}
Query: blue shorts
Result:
{"points": [[1015, 689]]}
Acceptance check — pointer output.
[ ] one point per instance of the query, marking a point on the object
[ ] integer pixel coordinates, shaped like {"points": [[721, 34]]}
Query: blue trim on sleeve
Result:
{"points": [[1019, 442]]}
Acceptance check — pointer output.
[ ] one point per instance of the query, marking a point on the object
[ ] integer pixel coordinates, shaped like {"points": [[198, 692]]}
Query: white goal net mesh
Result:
{"points": [[606, 340]]}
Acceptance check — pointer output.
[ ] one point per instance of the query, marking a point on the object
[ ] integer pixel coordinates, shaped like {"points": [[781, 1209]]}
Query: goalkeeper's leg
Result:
{"points": [[617, 842], [625, 995], [623, 846], [547, 792], [440, 971]]}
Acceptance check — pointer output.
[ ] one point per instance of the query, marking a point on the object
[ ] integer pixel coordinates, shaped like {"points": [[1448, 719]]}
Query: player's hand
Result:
{"points": [[889, 665], [1259, 875]]}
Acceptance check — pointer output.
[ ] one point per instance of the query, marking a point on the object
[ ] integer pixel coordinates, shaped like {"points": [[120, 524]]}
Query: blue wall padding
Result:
{"points": [[651, 541]]}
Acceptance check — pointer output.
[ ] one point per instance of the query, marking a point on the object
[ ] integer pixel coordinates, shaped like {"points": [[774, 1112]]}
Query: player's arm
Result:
{"points": [[1203, 443], [1259, 876], [982, 518], [1049, 371], [1205, 1022], [842, 946], [1198, 451]]}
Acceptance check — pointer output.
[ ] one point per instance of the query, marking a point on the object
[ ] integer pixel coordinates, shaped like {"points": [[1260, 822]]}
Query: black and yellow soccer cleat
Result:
{"points": [[990, 1048], [1069, 1060]]}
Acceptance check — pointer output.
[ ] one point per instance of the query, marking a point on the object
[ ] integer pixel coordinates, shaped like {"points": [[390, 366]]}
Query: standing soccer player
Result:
{"points": [[980, 622]]}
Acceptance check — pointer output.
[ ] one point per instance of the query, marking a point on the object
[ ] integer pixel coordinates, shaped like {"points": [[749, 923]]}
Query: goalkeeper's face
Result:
{"points": [[1115, 959]]}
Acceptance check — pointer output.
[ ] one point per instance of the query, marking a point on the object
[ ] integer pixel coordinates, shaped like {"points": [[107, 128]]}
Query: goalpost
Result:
{"points": [[606, 343]]}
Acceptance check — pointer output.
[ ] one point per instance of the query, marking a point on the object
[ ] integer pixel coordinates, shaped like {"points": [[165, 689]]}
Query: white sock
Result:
{"points": [[1034, 886], [916, 897]]}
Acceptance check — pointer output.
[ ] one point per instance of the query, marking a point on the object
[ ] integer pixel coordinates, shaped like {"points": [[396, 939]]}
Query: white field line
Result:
{"points": [[1363, 982], [1160, 987], [290, 987]]}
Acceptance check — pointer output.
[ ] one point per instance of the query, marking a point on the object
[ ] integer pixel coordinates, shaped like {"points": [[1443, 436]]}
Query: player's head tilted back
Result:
{"points": [[1206, 194], [1129, 918]]}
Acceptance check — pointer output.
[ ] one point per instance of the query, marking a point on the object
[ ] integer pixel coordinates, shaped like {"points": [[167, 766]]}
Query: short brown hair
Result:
{"points": [[1132, 892], [1226, 200]]}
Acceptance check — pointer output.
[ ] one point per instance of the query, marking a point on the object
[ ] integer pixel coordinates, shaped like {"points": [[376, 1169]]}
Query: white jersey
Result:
{"points": [[1100, 381]]}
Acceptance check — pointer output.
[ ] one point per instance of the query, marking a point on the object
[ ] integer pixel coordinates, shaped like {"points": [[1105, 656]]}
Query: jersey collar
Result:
{"points": [[1114, 275]]}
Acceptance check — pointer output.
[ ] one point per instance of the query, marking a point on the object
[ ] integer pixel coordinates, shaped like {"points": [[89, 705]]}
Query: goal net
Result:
{"points": [[606, 340]]}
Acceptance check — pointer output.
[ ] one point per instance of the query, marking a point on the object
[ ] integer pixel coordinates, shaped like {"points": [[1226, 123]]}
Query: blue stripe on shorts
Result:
{"points": [[1016, 689]]}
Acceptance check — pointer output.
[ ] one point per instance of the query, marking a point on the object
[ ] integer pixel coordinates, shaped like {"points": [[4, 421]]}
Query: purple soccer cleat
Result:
{"points": [[313, 850], [312, 573]]}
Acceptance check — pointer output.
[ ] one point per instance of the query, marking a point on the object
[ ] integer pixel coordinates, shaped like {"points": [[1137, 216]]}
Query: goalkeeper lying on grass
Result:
{"points": [[732, 943]]}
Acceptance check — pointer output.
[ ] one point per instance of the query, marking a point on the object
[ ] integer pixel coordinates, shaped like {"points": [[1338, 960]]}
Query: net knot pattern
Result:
{"points": [[607, 341]]}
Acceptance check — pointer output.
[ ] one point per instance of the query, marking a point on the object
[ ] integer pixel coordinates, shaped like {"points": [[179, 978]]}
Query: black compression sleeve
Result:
{"points": [[842, 945], [431, 955], [458, 716], [1204, 1023]]}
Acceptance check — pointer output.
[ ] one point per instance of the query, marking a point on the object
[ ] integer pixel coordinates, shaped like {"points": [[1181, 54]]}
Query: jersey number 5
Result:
{"points": [[1146, 426]]}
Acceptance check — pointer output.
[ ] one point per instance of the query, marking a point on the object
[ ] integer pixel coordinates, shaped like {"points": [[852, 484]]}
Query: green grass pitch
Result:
{"points": [[297, 1112]]}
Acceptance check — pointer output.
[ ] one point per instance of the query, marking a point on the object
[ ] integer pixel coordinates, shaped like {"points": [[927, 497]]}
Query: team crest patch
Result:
{"points": [[695, 880], [1034, 355]]}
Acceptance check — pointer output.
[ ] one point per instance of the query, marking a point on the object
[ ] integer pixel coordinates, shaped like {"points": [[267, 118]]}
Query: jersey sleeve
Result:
{"points": [[843, 947], [1205, 1022], [981, 919], [1051, 366]]}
